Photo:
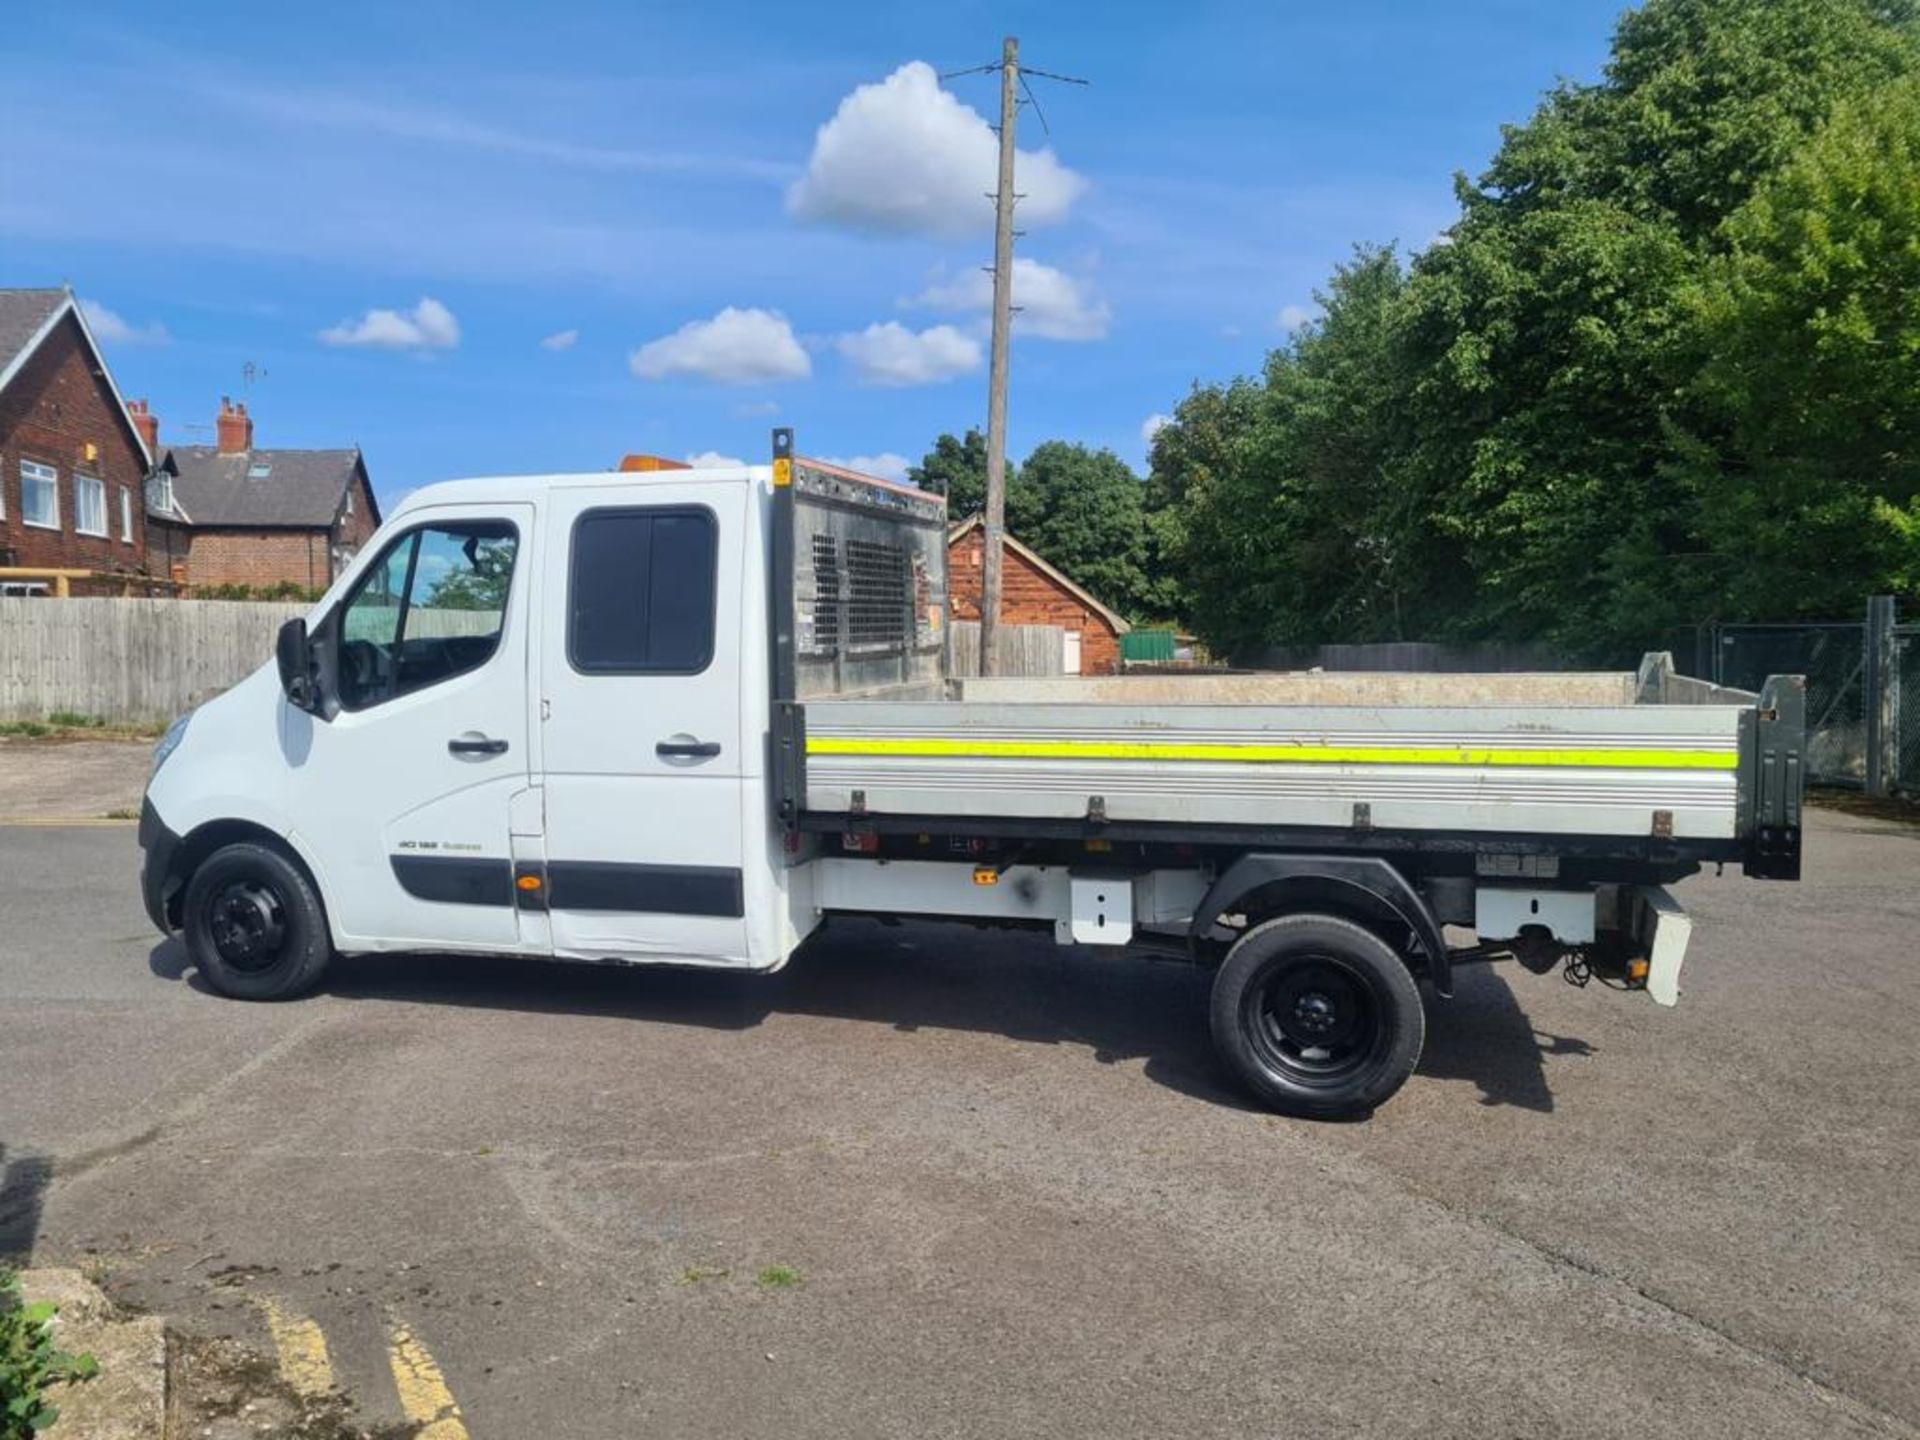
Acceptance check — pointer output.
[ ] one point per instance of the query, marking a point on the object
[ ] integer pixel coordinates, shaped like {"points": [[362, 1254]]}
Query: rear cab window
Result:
{"points": [[641, 590]]}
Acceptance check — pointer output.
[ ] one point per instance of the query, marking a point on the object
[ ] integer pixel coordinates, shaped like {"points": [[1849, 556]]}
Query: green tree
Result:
{"points": [[1294, 522], [1083, 511], [956, 467], [1805, 368], [1542, 337]]}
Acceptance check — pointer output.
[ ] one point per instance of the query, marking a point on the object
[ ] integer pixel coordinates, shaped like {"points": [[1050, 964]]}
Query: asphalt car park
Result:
{"points": [[937, 1181]]}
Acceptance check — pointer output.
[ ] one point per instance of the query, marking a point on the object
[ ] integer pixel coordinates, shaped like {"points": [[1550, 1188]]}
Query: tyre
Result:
{"points": [[1317, 1016], [253, 925]]}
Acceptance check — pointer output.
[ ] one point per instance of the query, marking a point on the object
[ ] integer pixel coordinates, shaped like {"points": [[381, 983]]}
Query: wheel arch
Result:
{"points": [[204, 839], [1367, 890]]}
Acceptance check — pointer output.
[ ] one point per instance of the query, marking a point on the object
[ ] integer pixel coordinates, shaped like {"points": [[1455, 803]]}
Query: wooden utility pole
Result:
{"points": [[996, 520]]}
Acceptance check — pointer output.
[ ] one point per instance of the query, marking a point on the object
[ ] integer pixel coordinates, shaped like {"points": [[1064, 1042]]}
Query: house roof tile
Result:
{"points": [[270, 489]]}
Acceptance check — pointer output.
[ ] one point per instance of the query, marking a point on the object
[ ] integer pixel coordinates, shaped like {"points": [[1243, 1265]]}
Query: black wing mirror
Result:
{"points": [[295, 658]]}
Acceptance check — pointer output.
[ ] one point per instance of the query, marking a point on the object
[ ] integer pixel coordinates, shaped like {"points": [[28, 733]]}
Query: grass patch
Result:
{"points": [[694, 1274], [779, 1277], [31, 1366], [67, 725]]}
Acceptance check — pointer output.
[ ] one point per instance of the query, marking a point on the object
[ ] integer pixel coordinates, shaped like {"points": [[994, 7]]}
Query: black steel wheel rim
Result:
{"points": [[248, 923], [1315, 1019]]}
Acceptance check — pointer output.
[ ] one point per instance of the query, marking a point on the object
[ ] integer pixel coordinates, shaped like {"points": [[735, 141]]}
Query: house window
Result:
{"points": [[89, 505], [160, 493], [39, 495], [126, 514]]}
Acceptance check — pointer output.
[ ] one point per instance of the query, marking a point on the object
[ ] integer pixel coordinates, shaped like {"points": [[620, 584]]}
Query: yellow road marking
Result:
{"points": [[424, 1397], [1272, 754], [304, 1362]]}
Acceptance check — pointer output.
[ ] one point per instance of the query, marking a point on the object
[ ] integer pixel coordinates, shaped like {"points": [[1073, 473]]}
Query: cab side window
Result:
{"points": [[431, 607], [641, 591]]}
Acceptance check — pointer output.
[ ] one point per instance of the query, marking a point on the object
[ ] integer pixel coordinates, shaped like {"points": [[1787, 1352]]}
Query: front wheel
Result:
{"points": [[1317, 1016], [253, 924]]}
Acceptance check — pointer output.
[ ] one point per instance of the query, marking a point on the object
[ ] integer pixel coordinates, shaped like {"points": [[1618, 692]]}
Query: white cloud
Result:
{"points": [[560, 340], [713, 460], [887, 465], [1052, 305], [428, 326], [109, 329], [905, 155], [735, 347], [1153, 425], [891, 354], [1292, 317]]}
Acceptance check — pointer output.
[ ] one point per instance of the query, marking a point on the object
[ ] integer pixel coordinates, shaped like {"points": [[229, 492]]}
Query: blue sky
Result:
{"points": [[286, 185]]}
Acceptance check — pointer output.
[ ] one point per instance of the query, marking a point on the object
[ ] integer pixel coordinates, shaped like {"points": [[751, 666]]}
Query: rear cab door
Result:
{"points": [[642, 755]]}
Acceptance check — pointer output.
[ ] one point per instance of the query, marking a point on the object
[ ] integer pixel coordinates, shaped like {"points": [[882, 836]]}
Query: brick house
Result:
{"points": [[1032, 592], [72, 463], [232, 514]]}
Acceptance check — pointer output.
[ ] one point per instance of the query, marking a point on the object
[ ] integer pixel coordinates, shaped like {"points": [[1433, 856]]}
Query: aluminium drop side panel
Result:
{"points": [[1575, 770]]}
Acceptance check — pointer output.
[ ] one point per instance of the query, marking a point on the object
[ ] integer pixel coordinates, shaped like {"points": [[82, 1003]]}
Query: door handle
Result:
{"points": [[479, 745], [688, 749]]}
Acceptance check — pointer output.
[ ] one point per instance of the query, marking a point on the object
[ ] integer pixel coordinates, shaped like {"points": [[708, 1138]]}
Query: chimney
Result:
{"points": [[147, 423], [235, 428]]}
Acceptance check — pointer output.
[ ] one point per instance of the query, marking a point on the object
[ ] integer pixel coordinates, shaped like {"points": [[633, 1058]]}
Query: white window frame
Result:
{"points": [[41, 475], [126, 515], [99, 489], [163, 497]]}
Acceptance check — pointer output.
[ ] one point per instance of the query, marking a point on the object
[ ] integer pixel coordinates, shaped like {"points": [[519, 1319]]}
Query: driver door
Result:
{"points": [[410, 785]]}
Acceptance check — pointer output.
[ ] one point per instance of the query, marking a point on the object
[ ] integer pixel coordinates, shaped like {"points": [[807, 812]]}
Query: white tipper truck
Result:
{"points": [[686, 717]]}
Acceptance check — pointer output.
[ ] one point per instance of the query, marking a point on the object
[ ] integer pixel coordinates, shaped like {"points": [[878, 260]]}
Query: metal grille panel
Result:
{"points": [[878, 600]]}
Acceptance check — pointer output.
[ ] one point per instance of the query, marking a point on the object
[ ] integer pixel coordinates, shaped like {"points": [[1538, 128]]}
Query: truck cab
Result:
{"points": [[530, 722]]}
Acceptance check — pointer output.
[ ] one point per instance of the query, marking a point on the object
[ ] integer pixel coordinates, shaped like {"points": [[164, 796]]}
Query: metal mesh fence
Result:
{"points": [[1833, 658], [1906, 711]]}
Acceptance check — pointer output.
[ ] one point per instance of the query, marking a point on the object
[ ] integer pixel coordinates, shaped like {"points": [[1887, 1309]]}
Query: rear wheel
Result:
{"points": [[1317, 1016], [253, 924]]}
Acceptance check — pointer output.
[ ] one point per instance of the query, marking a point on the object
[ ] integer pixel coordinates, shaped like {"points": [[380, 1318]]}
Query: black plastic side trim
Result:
{"points": [[649, 889], [455, 879]]}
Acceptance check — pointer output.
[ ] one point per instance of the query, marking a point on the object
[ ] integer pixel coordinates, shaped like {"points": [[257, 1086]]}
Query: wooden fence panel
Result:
{"points": [[1024, 649], [128, 661]]}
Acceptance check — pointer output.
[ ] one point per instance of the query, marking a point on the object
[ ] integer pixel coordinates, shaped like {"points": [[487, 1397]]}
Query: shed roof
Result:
{"points": [[1033, 557]]}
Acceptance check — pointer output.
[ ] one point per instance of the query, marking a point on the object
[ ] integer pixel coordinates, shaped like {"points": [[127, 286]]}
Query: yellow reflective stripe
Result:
{"points": [[1271, 754]]}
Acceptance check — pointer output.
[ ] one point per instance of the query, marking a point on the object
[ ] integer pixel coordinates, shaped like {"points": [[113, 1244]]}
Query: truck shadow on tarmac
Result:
{"points": [[23, 1186], [933, 977]]}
